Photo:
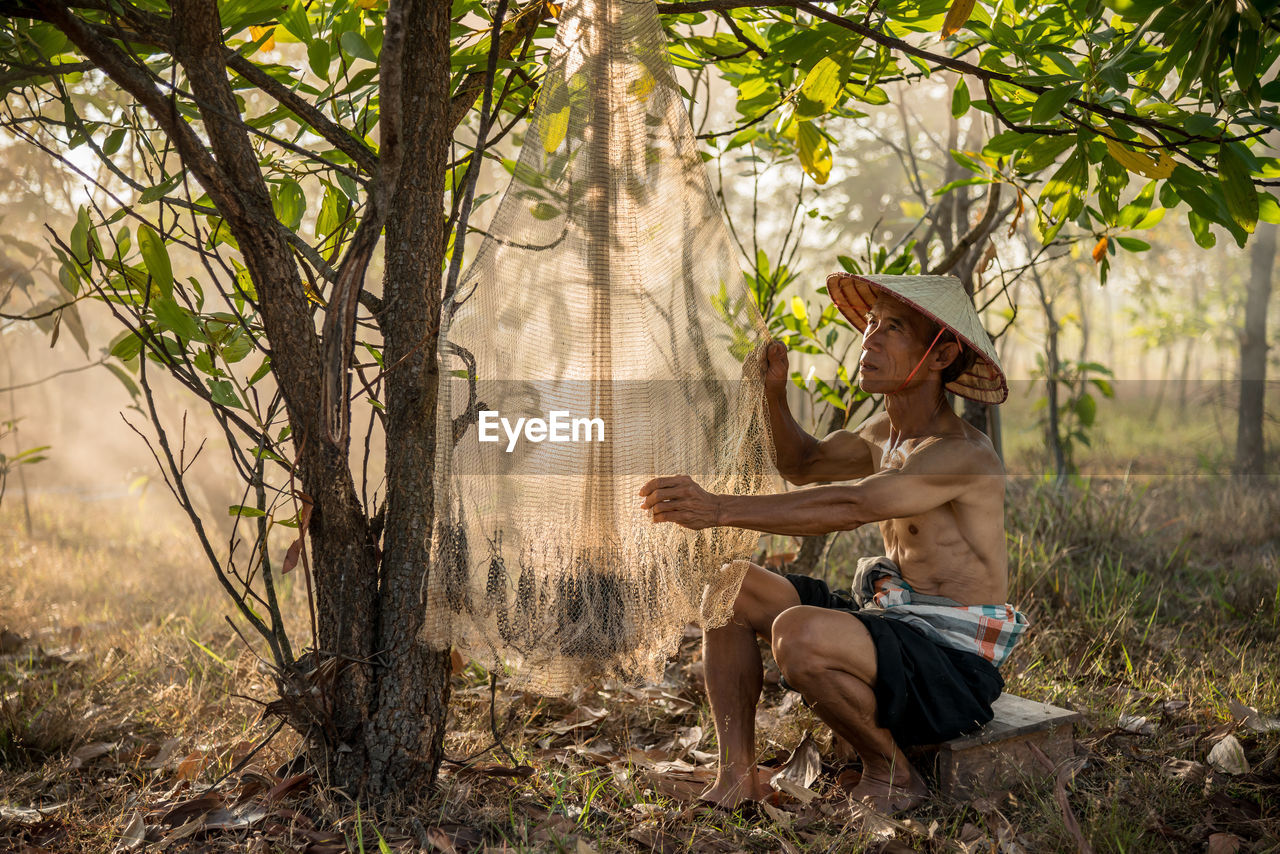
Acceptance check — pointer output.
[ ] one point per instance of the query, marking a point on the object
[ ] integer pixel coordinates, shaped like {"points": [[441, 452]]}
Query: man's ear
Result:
{"points": [[944, 354]]}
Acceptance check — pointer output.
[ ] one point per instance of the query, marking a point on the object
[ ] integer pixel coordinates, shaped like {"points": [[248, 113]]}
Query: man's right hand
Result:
{"points": [[776, 368]]}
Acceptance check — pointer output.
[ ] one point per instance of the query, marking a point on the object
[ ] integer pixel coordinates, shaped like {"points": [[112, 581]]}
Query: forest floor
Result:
{"points": [[128, 717]]}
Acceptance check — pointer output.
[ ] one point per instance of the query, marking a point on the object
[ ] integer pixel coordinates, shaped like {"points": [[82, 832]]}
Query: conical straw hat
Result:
{"points": [[942, 299]]}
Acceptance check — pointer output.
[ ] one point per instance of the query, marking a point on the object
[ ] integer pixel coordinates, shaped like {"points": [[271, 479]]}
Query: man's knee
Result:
{"points": [[762, 595], [809, 643], [796, 646]]}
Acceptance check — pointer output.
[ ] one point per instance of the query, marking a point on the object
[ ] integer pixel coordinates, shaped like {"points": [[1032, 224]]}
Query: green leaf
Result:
{"points": [[237, 348], [1237, 186], [873, 95], [262, 371], [113, 141], [354, 45], [1200, 230], [155, 255], [960, 99], [821, 89], [80, 235], [224, 393], [1086, 409], [1268, 208], [1008, 142], [175, 318], [1132, 245], [159, 191], [243, 511], [289, 203], [1050, 103], [318, 58], [1134, 212], [126, 346], [1042, 152]]}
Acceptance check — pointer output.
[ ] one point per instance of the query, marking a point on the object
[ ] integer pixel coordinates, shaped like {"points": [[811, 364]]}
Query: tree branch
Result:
{"points": [[342, 140]]}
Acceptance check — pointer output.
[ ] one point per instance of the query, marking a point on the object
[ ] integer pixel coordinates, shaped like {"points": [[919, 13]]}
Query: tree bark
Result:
{"points": [[1250, 450], [344, 561], [405, 731], [378, 723]]}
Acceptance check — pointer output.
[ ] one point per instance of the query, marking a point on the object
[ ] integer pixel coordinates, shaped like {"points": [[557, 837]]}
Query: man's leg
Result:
{"points": [[734, 676], [829, 657]]}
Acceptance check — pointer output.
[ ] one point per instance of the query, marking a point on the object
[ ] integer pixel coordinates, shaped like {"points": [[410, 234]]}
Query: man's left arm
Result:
{"points": [[931, 477]]}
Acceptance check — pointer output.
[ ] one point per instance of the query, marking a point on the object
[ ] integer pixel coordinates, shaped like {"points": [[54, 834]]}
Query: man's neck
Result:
{"points": [[916, 412]]}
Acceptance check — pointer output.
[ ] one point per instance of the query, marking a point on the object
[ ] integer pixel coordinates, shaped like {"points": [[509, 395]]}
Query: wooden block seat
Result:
{"points": [[1000, 755]]}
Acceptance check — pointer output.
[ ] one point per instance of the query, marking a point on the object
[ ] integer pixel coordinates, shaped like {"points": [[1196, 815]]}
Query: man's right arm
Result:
{"points": [[801, 458]]}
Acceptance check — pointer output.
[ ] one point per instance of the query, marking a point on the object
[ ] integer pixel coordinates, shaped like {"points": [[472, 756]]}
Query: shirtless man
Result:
{"points": [[911, 658]]}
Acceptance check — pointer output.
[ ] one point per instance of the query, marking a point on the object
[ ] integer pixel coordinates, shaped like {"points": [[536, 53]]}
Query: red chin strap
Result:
{"points": [[911, 375]]}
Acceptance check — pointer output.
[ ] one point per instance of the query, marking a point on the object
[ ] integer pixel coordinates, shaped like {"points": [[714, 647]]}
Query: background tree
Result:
{"points": [[1250, 448], [278, 148]]}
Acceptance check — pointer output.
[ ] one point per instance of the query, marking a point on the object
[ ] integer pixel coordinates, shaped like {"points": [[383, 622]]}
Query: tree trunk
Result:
{"points": [[1250, 450], [405, 731]]}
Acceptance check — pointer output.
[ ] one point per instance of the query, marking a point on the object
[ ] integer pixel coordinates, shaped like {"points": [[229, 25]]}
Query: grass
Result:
{"points": [[1156, 598]]}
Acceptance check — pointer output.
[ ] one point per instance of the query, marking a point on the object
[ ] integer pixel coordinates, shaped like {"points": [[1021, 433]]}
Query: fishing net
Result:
{"points": [[605, 301]]}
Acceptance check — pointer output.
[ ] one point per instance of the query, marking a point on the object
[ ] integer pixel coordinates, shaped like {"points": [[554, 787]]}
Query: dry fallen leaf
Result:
{"points": [[133, 835], [804, 766], [1228, 756], [583, 716], [240, 818], [184, 811], [84, 755], [679, 746], [1249, 716], [800, 793], [779, 817], [1223, 843], [190, 767], [167, 748], [1136, 724]]}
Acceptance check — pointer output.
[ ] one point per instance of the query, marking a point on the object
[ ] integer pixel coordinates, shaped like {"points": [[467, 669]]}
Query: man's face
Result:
{"points": [[893, 343]]}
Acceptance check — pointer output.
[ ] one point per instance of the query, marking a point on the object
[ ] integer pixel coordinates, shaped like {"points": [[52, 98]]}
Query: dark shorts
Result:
{"points": [[926, 693]]}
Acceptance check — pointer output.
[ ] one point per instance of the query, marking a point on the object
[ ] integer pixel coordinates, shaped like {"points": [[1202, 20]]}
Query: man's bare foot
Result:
{"points": [[848, 778], [889, 798], [731, 791]]}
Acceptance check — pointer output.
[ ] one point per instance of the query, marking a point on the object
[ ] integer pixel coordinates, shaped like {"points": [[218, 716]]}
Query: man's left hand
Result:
{"points": [[679, 499]]}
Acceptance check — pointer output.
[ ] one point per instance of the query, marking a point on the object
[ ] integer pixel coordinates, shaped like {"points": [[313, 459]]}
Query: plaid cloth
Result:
{"points": [[988, 630]]}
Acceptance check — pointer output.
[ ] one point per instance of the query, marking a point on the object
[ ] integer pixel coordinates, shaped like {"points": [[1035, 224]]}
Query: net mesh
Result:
{"points": [[606, 288]]}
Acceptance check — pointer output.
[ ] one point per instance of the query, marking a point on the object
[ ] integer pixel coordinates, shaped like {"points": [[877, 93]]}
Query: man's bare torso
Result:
{"points": [[956, 550]]}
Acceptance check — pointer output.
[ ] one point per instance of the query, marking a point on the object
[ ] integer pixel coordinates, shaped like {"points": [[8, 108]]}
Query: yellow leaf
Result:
{"points": [[957, 16], [798, 309], [1160, 166], [555, 129], [815, 154], [258, 32], [642, 86]]}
